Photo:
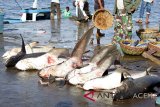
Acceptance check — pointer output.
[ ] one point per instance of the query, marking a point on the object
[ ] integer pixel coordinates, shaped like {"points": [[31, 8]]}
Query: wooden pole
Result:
{"points": [[152, 58]]}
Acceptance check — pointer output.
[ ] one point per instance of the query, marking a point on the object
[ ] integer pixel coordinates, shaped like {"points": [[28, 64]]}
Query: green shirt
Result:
{"points": [[66, 14]]}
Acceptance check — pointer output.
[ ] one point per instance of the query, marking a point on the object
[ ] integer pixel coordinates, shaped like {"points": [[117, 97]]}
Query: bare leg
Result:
{"points": [[147, 18], [98, 36], [58, 11], [52, 10]]}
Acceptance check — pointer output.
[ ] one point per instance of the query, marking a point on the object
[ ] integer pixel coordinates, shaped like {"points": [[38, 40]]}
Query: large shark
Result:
{"points": [[93, 62], [130, 88], [97, 71], [31, 48], [11, 62], [62, 69], [113, 80], [53, 57]]}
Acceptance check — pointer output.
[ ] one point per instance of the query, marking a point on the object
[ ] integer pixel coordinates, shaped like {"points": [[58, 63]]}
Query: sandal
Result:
{"points": [[101, 35], [139, 21]]}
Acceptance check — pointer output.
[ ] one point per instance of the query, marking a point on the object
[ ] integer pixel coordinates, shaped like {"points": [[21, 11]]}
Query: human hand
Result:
{"points": [[152, 1], [132, 10], [101, 7]]}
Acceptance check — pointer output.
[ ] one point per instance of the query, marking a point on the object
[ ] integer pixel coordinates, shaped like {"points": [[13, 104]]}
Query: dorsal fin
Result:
{"points": [[11, 62], [102, 52], [82, 44], [124, 73], [23, 49], [122, 77], [148, 70]]}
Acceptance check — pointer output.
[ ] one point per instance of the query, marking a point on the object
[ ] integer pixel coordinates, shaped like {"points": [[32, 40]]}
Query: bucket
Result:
{"points": [[1, 22], [102, 19]]}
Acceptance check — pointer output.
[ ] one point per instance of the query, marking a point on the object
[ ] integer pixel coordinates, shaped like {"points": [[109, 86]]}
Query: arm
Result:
{"points": [[100, 4]]}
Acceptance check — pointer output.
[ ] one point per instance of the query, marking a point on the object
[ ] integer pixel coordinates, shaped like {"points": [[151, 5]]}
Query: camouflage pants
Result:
{"points": [[123, 27]]}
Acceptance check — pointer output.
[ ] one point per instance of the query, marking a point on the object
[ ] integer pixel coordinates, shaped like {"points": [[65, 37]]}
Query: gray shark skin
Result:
{"points": [[113, 80], [62, 69], [11, 62], [53, 57], [104, 51], [130, 87], [95, 72], [95, 61], [80, 47]]}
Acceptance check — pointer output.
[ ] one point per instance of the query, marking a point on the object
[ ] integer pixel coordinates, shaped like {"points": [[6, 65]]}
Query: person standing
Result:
{"points": [[99, 4], [66, 12], [55, 5], [81, 11], [146, 4], [123, 11]]}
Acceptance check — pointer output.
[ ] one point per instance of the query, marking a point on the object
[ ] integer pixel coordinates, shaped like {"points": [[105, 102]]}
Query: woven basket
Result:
{"points": [[131, 50], [147, 33], [153, 46], [158, 36], [102, 19]]}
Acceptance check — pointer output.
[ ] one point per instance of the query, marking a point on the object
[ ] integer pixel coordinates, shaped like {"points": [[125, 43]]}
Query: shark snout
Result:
{"points": [[73, 81], [43, 74]]}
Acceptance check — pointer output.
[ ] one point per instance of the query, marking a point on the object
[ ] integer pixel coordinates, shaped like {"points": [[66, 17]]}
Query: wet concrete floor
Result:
{"points": [[21, 88]]}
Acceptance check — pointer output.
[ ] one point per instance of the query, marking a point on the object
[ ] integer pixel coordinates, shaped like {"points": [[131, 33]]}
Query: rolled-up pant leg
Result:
{"points": [[122, 28]]}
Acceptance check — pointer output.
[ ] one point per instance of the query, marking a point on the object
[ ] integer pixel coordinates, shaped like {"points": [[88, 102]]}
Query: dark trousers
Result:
{"points": [[54, 7]]}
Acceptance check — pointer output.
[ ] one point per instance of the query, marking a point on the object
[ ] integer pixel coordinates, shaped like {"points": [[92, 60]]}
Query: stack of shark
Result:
{"points": [[91, 76], [33, 56]]}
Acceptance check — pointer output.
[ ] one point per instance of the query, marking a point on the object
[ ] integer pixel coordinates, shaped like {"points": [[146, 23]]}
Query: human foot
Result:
{"points": [[139, 21]]}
